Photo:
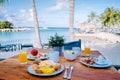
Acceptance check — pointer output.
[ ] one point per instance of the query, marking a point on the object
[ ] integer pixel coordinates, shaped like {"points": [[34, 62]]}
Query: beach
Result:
{"points": [[14, 30], [104, 36]]}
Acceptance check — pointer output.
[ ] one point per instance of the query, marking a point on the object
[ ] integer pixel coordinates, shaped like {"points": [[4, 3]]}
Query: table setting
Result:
{"points": [[51, 60], [66, 68], [47, 64]]}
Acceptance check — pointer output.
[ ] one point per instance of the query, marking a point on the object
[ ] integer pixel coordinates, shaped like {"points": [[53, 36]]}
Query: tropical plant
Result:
{"points": [[108, 18], [117, 18], [56, 41], [5, 24]]}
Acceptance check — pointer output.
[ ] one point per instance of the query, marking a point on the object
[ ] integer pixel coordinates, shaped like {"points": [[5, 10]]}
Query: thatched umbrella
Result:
{"points": [[86, 25]]}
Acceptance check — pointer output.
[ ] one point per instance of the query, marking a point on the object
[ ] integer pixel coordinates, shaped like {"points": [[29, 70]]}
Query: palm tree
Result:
{"points": [[36, 24], [71, 22], [117, 18], [91, 17], [108, 18]]}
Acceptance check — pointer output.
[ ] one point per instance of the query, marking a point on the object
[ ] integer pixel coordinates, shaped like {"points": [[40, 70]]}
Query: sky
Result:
{"points": [[52, 13]]}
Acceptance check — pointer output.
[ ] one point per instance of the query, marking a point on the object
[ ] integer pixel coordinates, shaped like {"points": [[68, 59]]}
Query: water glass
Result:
{"points": [[22, 57], [54, 56]]}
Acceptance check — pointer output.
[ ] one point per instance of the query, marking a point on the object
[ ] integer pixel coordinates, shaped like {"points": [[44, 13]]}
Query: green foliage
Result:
{"points": [[5, 24], [2, 2], [56, 40], [92, 18], [108, 18]]}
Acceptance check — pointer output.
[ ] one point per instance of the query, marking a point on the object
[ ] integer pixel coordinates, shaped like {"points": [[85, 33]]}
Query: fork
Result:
{"points": [[66, 70]]}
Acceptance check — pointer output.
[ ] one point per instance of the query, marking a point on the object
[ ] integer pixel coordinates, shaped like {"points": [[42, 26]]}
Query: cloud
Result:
{"points": [[22, 17], [60, 4], [5, 16]]}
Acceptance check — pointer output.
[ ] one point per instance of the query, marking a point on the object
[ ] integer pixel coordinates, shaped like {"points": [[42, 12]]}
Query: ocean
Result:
{"points": [[29, 37]]}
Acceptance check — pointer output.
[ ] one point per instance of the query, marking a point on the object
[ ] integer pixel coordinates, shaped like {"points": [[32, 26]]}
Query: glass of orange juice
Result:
{"points": [[87, 48], [22, 57]]}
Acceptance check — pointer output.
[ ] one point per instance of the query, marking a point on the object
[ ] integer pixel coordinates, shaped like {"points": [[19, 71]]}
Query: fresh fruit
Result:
{"points": [[40, 55], [34, 52]]}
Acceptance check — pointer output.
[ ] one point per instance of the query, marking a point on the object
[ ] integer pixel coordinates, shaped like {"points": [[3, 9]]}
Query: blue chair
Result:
{"points": [[8, 47], [26, 46], [69, 45], [5, 47]]}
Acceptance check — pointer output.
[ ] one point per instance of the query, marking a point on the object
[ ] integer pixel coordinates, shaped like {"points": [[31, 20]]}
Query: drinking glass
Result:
{"points": [[87, 49], [54, 56], [22, 57]]}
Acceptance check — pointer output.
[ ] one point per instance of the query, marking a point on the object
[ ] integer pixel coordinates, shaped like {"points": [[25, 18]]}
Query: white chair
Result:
{"points": [[112, 53]]}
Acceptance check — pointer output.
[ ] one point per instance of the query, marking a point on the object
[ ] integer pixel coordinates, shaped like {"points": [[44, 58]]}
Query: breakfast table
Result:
{"points": [[11, 69]]}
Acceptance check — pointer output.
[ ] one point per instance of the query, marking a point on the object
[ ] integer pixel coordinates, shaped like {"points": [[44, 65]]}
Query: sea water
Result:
{"points": [[29, 37]]}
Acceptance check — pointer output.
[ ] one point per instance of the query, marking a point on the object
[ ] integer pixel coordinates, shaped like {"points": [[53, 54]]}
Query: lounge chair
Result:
{"points": [[9, 47], [2, 47], [26, 46], [5, 47], [69, 45]]}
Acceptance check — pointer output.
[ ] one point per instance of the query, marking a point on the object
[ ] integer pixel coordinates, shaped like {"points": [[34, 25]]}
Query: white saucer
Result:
{"points": [[103, 62]]}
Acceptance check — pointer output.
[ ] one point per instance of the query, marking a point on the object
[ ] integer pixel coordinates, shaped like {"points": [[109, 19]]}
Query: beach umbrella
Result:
{"points": [[85, 26]]}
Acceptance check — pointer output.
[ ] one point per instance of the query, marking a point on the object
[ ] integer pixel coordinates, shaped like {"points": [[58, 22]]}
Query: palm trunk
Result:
{"points": [[39, 45], [108, 29], [71, 22]]}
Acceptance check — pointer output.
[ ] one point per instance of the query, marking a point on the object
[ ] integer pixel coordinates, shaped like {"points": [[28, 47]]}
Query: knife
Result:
{"points": [[71, 69]]}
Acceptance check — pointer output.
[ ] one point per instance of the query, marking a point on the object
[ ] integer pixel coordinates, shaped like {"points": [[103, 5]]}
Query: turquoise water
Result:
{"points": [[30, 37]]}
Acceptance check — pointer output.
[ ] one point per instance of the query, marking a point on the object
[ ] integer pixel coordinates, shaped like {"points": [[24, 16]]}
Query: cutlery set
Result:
{"points": [[66, 75]]}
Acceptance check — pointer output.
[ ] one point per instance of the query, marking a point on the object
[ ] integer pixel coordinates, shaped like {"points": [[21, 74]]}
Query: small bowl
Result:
{"points": [[70, 55]]}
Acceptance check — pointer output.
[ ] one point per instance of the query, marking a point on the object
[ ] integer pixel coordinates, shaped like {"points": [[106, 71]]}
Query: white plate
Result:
{"points": [[31, 71], [29, 56], [107, 64]]}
